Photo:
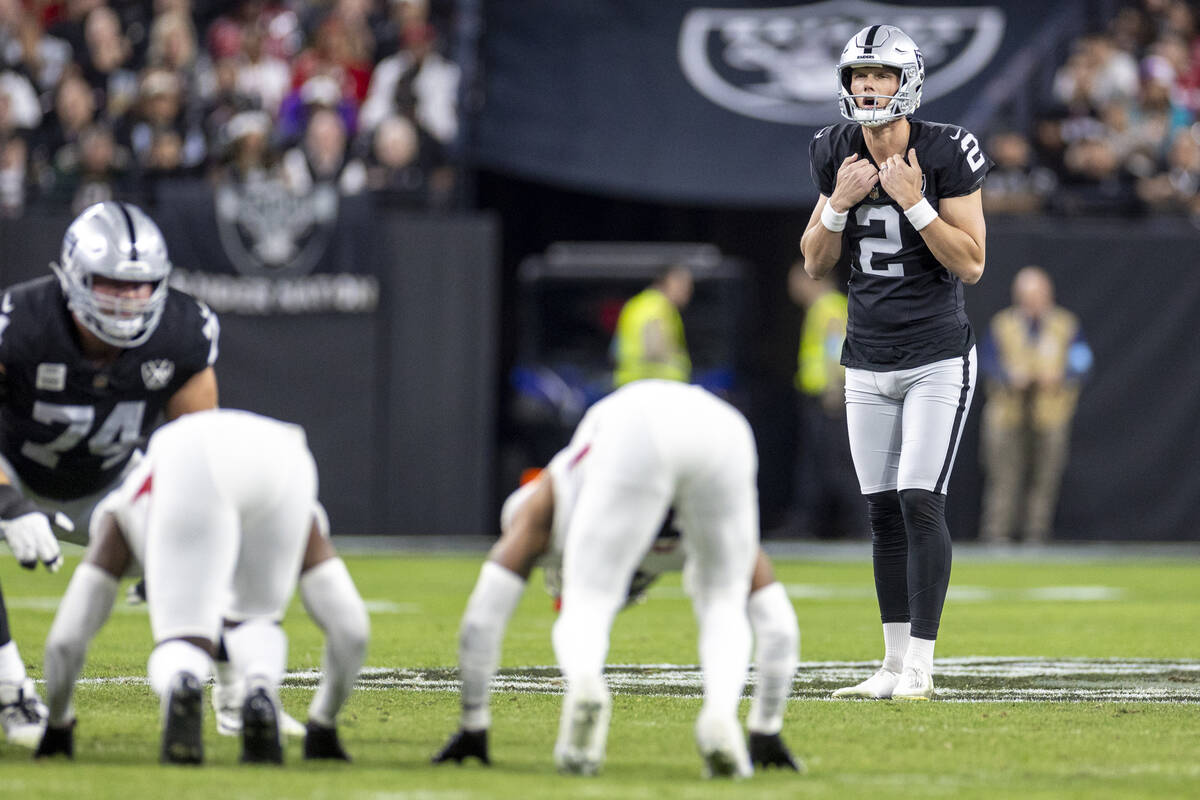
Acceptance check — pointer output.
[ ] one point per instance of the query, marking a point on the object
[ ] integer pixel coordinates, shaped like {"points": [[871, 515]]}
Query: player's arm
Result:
{"points": [[22, 524], [526, 536], [198, 394], [821, 243], [955, 233]]}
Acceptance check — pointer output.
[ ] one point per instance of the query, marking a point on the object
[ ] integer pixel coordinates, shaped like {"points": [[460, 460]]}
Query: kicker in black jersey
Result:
{"points": [[67, 425], [905, 309]]}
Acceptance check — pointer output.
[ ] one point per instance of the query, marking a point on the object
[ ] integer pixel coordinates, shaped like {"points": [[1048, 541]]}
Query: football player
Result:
{"points": [[608, 488], [900, 198], [91, 359], [221, 514]]}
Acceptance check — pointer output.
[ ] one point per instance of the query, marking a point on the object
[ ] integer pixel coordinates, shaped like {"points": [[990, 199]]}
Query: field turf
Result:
{"points": [[1057, 678]]}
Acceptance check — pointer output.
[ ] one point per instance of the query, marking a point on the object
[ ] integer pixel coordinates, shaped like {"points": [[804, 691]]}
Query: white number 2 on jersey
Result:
{"points": [[114, 439], [886, 245]]}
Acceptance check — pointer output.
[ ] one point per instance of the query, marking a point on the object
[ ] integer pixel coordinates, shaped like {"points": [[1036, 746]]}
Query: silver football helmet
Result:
{"points": [[881, 45], [120, 242]]}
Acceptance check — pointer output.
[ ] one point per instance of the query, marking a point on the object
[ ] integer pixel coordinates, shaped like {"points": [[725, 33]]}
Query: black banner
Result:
{"points": [[695, 103]]}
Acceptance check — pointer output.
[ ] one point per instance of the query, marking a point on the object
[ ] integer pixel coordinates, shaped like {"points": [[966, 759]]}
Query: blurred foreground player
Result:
{"points": [[91, 360], [220, 513], [648, 447]]}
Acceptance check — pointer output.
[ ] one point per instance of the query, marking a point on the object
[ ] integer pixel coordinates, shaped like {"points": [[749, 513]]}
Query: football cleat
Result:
{"points": [[57, 742], [182, 739], [321, 742], [22, 713], [722, 747], [583, 729], [915, 684], [260, 729], [227, 710], [462, 745], [769, 750], [877, 687]]}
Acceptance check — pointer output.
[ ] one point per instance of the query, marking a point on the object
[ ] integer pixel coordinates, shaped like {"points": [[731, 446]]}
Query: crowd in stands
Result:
{"points": [[1119, 134], [103, 100]]}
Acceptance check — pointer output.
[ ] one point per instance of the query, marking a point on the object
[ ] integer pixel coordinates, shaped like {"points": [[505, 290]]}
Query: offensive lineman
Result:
{"points": [[222, 514], [533, 522], [91, 359], [647, 447], [914, 233]]}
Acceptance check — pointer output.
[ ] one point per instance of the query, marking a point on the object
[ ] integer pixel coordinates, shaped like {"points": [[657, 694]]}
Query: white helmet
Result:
{"points": [[117, 241], [881, 45]]}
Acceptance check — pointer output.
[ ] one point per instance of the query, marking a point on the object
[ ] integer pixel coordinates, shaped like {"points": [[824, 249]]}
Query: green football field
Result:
{"points": [[1057, 677]]}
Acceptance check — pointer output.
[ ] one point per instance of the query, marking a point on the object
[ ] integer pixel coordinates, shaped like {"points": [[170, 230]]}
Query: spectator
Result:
{"points": [[1177, 189], [246, 153], [91, 171], [1035, 358], [261, 76], [340, 51], [19, 108], [397, 174], [107, 62], [1015, 185], [174, 47], [1097, 182], [14, 181], [160, 109], [322, 158], [1096, 73], [26, 47], [649, 341], [74, 109], [319, 91], [279, 25], [828, 502], [225, 102]]}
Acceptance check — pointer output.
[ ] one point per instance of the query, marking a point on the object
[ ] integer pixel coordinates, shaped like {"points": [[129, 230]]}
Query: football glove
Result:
{"points": [[463, 745], [31, 540], [769, 750]]}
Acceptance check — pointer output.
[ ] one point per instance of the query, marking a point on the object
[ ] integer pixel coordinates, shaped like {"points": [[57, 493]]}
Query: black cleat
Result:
{"points": [[260, 729], [323, 743], [57, 742], [769, 750], [463, 745], [182, 742]]}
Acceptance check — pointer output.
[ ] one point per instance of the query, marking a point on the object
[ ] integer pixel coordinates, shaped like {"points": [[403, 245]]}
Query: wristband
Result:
{"points": [[13, 504], [921, 214], [835, 221]]}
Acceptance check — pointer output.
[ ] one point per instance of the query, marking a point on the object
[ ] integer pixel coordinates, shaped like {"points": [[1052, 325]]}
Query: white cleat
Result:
{"points": [[22, 713], [722, 747], [877, 687], [583, 729], [227, 708], [915, 684]]}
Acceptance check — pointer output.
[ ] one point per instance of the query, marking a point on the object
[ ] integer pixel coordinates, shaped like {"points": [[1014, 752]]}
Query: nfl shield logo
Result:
{"points": [[157, 374], [779, 64]]}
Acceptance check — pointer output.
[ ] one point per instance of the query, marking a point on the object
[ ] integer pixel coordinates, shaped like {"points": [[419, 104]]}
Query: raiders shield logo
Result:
{"points": [[157, 374], [778, 64], [267, 230]]}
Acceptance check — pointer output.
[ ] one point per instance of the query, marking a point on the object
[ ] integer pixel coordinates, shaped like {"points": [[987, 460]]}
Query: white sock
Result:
{"points": [[172, 657], [492, 602], [333, 602], [82, 612], [228, 682], [895, 645], [920, 654], [12, 668], [776, 646], [258, 652], [724, 650]]}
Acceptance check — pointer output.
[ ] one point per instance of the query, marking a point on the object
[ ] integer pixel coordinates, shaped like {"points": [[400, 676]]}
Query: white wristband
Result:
{"points": [[835, 221], [921, 214]]}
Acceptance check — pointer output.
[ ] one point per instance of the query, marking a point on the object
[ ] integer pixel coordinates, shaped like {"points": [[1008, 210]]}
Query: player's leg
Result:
{"points": [[776, 651], [275, 519], [22, 713], [619, 510], [83, 610], [935, 410], [874, 425], [333, 602], [1047, 462], [1003, 450]]}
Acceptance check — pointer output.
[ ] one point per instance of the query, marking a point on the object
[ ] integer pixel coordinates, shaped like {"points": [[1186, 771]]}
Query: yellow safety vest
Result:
{"points": [[821, 338], [643, 309]]}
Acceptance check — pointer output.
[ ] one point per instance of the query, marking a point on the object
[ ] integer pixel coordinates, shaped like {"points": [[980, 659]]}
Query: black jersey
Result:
{"points": [[67, 425], [906, 309]]}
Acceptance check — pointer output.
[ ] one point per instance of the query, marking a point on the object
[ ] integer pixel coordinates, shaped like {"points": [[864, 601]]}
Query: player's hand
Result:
{"points": [[31, 540], [463, 745], [855, 177], [769, 750], [901, 179]]}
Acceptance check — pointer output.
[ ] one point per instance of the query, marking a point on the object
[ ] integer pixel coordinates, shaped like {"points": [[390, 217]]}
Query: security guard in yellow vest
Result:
{"points": [[649, 341], [1035, 358]]}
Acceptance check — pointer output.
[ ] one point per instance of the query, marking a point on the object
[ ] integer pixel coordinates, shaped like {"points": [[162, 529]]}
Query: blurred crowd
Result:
{"points": [[103, 100], [1119, 134]]}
